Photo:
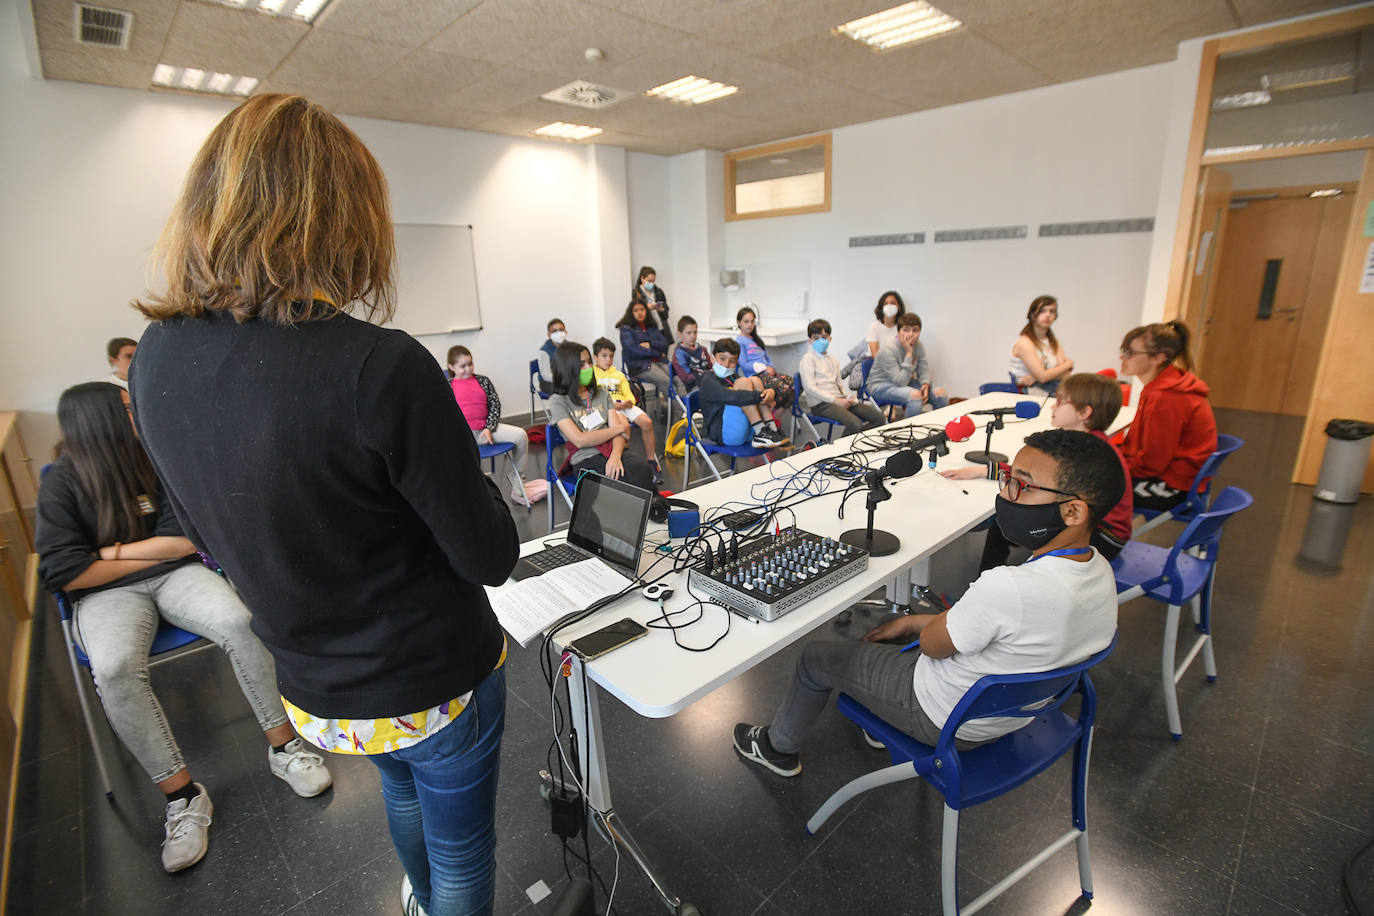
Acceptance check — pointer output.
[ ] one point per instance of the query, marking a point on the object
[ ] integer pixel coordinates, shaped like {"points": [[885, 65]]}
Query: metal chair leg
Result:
{"points": [[1168, 674], [949, 863], [78, 680]]}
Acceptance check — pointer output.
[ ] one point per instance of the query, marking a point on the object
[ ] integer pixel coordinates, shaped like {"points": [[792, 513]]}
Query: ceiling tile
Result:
{"points": [[1071, 39], [449, 113], [621, 38], [104, 71], [944, 71], [374, 104], [213, 37], [698, 16], [781, 22], [427, 76], [403, 22], [335, 60], [1254, 12], [512, 31], [53, 22], [505, 88]]}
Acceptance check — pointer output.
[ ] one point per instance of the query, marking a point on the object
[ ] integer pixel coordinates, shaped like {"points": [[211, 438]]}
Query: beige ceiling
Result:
{"points": [[482, 64]]}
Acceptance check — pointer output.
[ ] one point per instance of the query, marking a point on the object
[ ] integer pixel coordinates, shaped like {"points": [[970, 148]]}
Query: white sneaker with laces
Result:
{"points": [[409, 905], [188, 831], [300, 769]]}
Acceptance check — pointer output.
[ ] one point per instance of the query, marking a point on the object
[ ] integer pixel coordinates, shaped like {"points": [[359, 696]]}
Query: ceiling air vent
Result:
{"points": [[585, 95], [95, 25]]}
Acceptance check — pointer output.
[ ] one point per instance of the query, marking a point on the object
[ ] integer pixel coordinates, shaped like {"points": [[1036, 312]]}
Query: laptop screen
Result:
{"points": [[608, 520]]}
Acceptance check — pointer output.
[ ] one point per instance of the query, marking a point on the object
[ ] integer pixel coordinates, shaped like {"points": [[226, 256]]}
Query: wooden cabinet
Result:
{"points": [[18, 492]]}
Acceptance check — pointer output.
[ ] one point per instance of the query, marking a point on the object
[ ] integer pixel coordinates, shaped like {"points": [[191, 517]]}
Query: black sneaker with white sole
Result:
{"points": [[768, 438], [751, 741]]}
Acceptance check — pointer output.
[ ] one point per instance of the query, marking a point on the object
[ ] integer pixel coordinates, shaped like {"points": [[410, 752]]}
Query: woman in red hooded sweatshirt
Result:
{"points": [[1174, 431]]}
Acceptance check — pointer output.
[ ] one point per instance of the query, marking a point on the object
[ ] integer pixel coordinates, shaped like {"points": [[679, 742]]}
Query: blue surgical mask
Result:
{"points": [[820, 345], [648, 286], [721, 371]]}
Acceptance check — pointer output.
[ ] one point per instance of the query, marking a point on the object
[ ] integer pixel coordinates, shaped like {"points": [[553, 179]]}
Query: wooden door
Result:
{"points": [[1208, 239], [1267, 303]]}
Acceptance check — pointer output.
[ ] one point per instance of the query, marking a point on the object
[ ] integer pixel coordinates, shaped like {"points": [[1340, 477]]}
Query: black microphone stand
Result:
{"points": [[878, 543], [987, 455]]}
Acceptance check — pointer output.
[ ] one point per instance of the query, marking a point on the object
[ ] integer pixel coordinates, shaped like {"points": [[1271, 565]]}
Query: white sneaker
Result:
{"points": [[188, 831], [409, 905], [300, 769]]}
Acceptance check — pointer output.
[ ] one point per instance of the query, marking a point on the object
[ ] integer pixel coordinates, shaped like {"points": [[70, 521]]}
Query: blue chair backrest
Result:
{"points": [[534, 374], [553, 438], [1008, 387], [692, 404], [1203, 531], [1197, 495]]}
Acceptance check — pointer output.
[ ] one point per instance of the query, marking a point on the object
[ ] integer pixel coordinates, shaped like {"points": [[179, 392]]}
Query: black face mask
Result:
{"points": [[1029, 526]]}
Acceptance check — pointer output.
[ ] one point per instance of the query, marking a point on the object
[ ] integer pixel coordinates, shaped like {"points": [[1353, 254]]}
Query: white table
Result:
{"points": [[656, 679]]}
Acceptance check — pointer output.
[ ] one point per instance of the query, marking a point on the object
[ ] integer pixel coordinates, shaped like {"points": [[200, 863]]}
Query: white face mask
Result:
{"points": [[558, 337], [890, 310]]}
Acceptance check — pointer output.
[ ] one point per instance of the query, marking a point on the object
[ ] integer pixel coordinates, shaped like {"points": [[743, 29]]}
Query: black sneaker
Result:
{"points": [[768, 438], [751, 741]]}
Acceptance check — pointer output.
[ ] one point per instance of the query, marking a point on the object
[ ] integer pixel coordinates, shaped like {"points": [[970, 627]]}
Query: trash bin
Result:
{"points": [[1345, 460]]}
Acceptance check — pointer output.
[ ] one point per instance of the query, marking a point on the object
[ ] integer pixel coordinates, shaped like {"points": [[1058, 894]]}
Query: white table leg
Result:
{"points": [[592, 752]]}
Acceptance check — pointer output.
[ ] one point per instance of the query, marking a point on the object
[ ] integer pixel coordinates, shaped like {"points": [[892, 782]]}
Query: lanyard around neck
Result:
{"points": [[1065, 552]]}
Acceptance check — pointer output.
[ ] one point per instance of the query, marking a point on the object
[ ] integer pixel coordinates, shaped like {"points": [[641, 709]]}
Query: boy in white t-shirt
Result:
{"points": [[1057, 608]]}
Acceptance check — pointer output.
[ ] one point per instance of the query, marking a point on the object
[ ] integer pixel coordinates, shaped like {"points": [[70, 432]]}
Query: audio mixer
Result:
{"points": [[775, 575]]}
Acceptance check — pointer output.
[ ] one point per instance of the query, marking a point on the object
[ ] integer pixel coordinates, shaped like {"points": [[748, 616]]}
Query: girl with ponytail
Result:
{"points": [[1174, 431]]}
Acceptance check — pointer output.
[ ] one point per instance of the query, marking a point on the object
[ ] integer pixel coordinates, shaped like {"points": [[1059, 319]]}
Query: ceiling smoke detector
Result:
{"points": [[585, 95]]}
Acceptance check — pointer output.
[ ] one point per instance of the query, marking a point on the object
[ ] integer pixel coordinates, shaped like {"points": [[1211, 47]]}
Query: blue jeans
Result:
{"points": [[441, 805]]}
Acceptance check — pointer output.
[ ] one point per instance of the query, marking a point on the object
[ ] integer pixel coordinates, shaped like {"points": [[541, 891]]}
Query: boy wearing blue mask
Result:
{"points": [[732, 406], [823, 394], [1055, 609]]}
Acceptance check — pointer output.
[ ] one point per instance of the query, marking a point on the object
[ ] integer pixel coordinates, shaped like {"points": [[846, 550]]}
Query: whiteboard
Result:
{"points": [[436, 280]]}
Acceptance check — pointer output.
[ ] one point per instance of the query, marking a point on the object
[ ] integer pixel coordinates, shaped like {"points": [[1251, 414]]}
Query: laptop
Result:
{"points": [[608, 522]]}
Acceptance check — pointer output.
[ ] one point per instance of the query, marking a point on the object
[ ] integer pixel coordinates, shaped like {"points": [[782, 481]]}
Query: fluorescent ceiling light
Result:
{"points": [[1242, 100], [561, 130], [1326, 192], [693, 90], [899, 26], [195, 80], [304, 10]]}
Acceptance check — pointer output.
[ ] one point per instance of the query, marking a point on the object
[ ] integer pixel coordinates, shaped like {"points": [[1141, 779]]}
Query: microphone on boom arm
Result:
{"points": [[1024, 410]]}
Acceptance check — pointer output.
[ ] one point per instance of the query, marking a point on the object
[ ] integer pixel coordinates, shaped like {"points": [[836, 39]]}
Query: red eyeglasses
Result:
{"points": [[1014, 486]]}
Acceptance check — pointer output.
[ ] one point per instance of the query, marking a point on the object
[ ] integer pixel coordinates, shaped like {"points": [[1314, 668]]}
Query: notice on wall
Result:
{"points": [[1367, 275]]}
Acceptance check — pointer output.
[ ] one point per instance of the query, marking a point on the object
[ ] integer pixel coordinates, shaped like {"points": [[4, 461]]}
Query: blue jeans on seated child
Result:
{"points": [[441, 805]]}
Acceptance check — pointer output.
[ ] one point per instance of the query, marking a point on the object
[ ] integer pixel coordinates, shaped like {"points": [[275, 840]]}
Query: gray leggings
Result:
{"points": [[878, 675], [115, 628]]}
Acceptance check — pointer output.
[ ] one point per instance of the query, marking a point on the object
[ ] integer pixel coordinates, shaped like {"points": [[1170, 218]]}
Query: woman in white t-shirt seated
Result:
{"points": [[1055, 609], [883, 330], [1037, 360]]}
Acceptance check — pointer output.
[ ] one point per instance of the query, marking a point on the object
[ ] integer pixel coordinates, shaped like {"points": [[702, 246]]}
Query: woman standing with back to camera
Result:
{"points": [[322, 461]]}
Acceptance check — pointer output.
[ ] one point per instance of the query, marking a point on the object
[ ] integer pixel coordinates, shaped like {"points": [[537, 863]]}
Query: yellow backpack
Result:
{"points": [[676, 443]]}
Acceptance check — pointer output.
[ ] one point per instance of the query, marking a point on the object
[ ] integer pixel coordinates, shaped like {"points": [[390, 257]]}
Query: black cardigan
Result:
{"points": [[329, 471]]}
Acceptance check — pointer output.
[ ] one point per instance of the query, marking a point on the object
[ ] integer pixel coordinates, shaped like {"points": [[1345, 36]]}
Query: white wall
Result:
{"points": [[651, 222], [88, 175], [1077, 151]]}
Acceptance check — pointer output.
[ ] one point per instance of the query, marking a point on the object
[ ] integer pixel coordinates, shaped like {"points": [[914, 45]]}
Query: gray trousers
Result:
{"points": [[115, 628], [878, 675], [856, 419]]}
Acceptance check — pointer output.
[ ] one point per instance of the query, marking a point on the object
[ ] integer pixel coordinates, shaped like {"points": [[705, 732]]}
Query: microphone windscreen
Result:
{"points": [[1108, 372], [1027, 410], [959, 429], [903, 464]]}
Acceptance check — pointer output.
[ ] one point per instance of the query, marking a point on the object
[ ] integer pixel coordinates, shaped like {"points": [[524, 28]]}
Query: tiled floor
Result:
{"points": [[1254, 812]]}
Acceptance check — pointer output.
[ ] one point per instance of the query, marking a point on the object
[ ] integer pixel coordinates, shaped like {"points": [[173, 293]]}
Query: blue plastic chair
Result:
{"points": [[1179, 575], [1196, 500], [1008, 387], [553, 438], [536, 390], [707, 449], [810, 419], [494, 451], [968, 778], [886, 404]]}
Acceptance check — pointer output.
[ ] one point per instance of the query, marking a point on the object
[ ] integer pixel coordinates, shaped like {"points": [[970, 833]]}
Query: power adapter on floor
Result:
{"points": [[566, 805]]}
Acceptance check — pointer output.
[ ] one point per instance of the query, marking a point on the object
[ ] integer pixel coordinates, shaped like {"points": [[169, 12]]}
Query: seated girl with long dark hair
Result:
{"points": [[588, 419], [108, 537]]}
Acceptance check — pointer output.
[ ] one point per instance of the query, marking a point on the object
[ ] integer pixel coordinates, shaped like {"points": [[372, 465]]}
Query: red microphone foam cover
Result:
{"points": [[1108, 372], [960, 429]]}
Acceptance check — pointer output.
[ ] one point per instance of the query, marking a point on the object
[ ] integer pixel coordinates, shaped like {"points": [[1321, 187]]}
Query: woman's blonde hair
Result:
{"points": [[283, 216]]}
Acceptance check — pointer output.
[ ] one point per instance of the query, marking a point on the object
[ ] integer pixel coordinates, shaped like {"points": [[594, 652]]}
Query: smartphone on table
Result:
{"points": [[611, 636]]}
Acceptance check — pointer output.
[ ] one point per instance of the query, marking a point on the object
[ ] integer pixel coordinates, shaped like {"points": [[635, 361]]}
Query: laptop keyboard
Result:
{"points": [[554, 557]]}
